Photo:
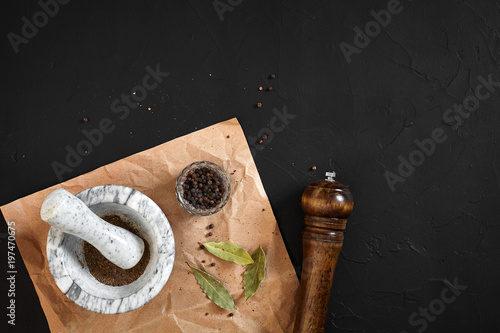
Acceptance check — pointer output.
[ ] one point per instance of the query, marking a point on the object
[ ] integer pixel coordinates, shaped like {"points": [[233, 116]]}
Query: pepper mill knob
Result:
{"points": [[326, 205]]}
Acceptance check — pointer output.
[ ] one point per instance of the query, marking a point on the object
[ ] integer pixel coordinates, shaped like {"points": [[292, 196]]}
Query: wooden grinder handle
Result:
{"points": [[326, 205]]}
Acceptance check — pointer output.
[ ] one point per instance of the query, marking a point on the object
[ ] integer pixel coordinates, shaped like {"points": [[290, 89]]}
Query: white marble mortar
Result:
{"points": [[65, 253]]}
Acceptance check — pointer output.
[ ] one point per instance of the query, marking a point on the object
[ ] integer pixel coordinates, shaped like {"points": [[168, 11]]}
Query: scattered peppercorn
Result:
{"points": [[203, 261], [212, 264], [259, 105], [260, 142], [272, 76], [206, 313], [210, 234], [85, 119], [260, 88], [203, 188], [269, 88], [228, 136], [211, 226], [202, 246], [231, 314], [313, 167], [264, 137]]}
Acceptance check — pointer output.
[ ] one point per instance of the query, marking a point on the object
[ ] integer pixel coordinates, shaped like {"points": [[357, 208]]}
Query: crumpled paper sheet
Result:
{"points": [[247, 220]]}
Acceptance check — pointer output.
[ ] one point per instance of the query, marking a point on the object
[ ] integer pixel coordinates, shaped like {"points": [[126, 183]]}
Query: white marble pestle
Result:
{"points": [[66, 212]]}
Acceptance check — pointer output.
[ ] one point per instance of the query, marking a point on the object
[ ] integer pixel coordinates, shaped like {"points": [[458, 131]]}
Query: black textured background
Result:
{"points": [[441, 223]]}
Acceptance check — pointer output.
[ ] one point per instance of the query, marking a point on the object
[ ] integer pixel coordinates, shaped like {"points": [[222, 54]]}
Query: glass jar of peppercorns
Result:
{"points": [[202, 188]]}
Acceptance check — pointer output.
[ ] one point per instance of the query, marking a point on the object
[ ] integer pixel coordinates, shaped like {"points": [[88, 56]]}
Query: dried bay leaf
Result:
{"points": [[255, 273], [214, 289], [229, 252]]}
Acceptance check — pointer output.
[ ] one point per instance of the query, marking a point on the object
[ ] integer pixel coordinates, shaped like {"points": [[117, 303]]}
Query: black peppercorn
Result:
{"points": [[231, 314], [212, 264], [272, 76], [211, 226], [199, 187]]}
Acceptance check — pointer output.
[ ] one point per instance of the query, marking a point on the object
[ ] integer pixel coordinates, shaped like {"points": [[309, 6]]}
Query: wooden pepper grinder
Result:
{"points": [[326, 205]]}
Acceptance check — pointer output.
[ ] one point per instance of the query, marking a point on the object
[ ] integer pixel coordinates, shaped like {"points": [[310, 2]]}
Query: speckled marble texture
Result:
{"points": [[69, 269], [63, 210]]}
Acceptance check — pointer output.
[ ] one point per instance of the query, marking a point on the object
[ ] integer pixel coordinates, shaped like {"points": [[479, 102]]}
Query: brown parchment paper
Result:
{"points": [[247, 220]]}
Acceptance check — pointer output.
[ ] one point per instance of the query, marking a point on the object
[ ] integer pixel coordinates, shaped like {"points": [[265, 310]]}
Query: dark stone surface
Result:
{"points": [[439, 223]]}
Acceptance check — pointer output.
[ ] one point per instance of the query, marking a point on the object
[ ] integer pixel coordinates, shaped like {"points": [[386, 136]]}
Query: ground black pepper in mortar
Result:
{"points": [[104, 270], [203, 188]]}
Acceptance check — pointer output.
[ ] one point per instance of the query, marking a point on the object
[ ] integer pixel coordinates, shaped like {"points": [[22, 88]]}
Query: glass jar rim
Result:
{"points": [[179, 190]]}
